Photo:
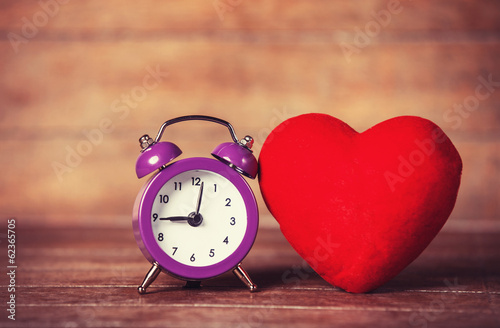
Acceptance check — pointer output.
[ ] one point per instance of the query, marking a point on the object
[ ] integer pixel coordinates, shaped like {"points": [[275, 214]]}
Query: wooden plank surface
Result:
{"points": [[87, 67], [88, 277], [82, 65], [94, 15], [52, 119]]}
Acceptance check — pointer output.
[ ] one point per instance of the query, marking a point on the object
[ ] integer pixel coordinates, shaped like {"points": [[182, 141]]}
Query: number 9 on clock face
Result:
{"points": [[198, 218]]}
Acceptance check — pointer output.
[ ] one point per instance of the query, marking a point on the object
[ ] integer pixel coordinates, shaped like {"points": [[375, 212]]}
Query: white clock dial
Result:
{"points": [[218, 209]]}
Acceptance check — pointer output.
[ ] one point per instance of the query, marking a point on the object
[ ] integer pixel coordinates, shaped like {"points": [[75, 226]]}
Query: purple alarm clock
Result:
{"points": [[195, 218]]}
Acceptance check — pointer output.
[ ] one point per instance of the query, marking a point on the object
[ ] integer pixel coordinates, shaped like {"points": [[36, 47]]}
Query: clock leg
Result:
{"points": [[150, 277], [240, 273]]}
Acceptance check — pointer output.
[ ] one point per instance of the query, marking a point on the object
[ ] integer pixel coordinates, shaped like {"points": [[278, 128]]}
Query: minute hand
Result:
{"points": [[198, 203]]}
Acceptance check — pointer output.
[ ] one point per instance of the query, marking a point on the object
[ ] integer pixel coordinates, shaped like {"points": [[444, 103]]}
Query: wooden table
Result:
{"points": [[89, 277]]}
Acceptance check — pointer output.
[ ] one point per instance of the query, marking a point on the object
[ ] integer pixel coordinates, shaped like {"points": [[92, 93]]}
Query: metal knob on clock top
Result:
{"points": [[195, 218]]}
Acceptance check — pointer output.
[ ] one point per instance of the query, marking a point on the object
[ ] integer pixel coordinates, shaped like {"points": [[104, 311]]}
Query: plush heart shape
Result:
{"points": [[359, 207]]}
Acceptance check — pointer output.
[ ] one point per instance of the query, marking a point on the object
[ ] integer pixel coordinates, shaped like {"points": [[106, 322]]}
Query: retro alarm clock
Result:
{"points": [[195, 218]]}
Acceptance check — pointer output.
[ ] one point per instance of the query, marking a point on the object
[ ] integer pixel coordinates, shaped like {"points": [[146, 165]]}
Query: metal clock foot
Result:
{"points": [[150, 277], [245, 278]]}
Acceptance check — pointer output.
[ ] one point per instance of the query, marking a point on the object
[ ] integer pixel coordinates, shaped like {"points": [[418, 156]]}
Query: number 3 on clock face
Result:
{"points": [[198, 218]]}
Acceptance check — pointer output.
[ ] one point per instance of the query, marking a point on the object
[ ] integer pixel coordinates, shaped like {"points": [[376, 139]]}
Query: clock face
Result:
{"points": [[198, 218]]}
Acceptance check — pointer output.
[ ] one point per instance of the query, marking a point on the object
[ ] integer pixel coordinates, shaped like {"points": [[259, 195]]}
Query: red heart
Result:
{"points": [[359, 207]]}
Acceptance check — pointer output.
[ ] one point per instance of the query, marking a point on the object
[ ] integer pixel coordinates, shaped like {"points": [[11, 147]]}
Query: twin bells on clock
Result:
{"points": [[236, 154]]}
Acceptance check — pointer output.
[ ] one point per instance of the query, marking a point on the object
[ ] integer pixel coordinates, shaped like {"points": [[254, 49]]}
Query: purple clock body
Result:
{"points": [[142, 216]]}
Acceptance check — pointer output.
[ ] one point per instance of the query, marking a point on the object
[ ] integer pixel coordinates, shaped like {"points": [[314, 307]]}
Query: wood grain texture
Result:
{"points": [[91, 77], [94, 16], [80, 81], [88, 277]]}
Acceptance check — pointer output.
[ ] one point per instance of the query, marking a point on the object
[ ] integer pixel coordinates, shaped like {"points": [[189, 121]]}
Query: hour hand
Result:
{"points": [[176, 218], [193, 219]]}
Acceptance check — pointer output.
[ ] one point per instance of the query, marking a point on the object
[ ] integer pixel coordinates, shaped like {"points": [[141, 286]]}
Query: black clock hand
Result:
{"points": [[176, 218], [198, 203], [195, 218]]}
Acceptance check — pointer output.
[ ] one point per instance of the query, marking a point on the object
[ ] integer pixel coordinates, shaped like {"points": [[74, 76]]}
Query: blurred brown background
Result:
{"points": [[81, 81]]}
